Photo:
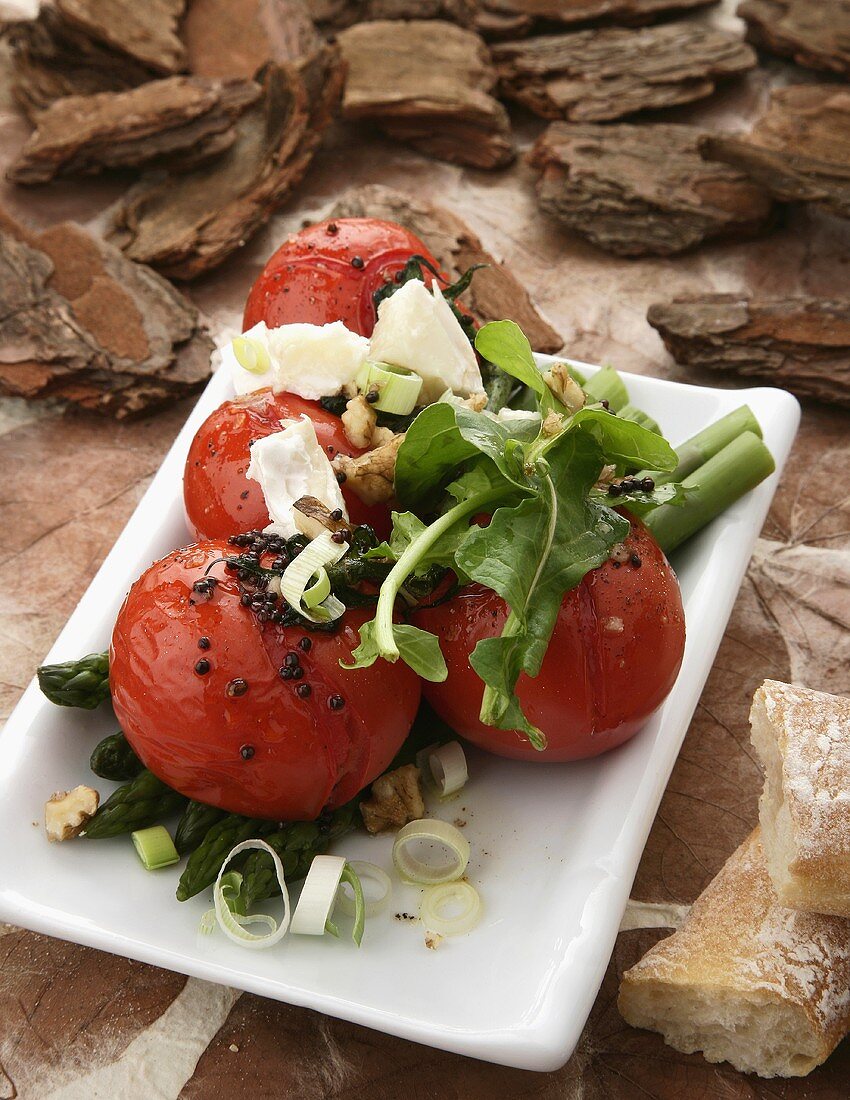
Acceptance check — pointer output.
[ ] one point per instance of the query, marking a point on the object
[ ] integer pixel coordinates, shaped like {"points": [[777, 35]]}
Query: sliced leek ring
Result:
{"points": [[366, 872], [397, 388], [227, 886], [459, 896], [444, 767], [251, 355], [430, 851], [295, 583]]}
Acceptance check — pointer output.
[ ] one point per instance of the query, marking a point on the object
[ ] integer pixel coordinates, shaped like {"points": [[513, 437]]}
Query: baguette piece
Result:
{"points": [[803, 740], [745, 980]]}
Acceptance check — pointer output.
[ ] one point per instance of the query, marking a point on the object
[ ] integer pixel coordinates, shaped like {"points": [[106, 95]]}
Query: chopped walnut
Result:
{"points": [[476, 401], [67, 813], [606, 476], [396, 800], [360, 421], [371, 475], [433, 940], [553, 424], [565, 388], [620, 553]]}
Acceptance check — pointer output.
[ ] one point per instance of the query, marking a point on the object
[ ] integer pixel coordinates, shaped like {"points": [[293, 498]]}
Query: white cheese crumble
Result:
{"points": [[291, 464], [417, 329]]}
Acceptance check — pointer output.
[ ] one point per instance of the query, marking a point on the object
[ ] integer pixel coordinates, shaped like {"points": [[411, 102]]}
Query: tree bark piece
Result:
{"points": [[178, 121], [83, 323], [338, 14], [143, 30], [52, 59], [816, 33], [799, 150], [583, 12], [800, 343], [643, 190], [494, 293], [428, 84], [599, 75], [236, 38], [186, 225]]}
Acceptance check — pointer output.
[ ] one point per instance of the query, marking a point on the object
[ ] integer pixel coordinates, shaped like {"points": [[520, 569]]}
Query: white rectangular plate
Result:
{"points": [[555, 849]]}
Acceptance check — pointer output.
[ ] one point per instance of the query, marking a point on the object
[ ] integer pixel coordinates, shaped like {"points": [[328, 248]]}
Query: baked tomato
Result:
{"points": [[613, 658], [219, 499], [197, 688], [330, 272]]}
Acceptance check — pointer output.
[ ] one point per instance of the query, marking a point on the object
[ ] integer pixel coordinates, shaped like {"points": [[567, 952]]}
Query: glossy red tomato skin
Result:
{"points": [[316, 275], [190, 729], [614, 656], [220, 500]]}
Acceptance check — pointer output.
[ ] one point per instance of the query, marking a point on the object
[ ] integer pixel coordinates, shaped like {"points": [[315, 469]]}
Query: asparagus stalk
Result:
{"points": [[638, 416], [195, 823], [714, 486], [83, 683], [143, 801], [113, 758], [706, 444], [206, 860], [606, 385]]}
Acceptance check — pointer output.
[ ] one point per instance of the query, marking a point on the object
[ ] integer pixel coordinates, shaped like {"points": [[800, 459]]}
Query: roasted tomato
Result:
{"points": [[196, 688], [329, 272], [613, 658], [219, 499]]}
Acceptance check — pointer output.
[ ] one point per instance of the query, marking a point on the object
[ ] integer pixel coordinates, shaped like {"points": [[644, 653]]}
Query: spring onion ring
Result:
{"points": [[155, 847], [397, 387], [443, 767], [251, 355], [448, 864], [295, 583], [366, 872], [318, 896], [458, 895], [224, 895]]}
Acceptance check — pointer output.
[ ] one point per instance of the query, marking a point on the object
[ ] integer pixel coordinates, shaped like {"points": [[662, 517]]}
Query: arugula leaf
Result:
{"points": [[432, 450], [532, 554], [505, 344], [417, 648], [623, 442]]}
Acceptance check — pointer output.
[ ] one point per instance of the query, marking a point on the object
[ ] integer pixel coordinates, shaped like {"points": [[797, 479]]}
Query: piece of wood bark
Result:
{"points": [[802, 344], [799, 150], [177, 122], [338, 14], [599, 75], [143, 30], [84, 323], [816, 33], [236, 38], [643, 190], [584, 12], [52, 59], [188, 224], [428, 84], [493, 295]]}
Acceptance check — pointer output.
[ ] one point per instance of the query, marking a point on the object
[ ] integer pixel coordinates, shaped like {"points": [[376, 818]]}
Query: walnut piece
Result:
{"points": [[360, 422], [565, 388], [396, 800], [371, 475], [67, 813]]}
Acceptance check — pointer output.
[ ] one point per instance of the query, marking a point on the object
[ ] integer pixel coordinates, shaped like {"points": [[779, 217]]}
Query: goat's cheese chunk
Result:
{"points": [[291, 464], [417, 329], [312, 361]]}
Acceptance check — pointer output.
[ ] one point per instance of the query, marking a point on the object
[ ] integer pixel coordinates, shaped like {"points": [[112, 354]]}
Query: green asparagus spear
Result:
{"points": [[205, 862], [83, 683], [194, 825], [143, 801], [113, 758]]}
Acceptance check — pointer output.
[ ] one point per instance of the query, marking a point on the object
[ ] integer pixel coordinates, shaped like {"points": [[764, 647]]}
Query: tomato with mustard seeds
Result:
{"points": [[248, 715], [613, 658], [330, 272], [220, 500]]}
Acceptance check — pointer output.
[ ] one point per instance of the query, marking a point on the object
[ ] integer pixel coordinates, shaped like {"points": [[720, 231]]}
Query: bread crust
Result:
{"points": [[745, 979], [803, 740]]}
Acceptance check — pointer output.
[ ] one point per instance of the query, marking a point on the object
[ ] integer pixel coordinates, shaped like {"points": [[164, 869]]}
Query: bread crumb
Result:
{"points": [[234, 1048]]}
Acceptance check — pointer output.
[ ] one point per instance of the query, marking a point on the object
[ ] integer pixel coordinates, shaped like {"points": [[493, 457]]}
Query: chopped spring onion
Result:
{"points": [[444, 767], [397, 388], [366, 872], [430, 851], [226, 891], [155, 847], [251, 355], [296, 584], [450, 909], [318, 591], [321, 890]]}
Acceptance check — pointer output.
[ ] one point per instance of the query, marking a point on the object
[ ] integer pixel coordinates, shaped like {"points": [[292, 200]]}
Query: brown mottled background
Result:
{"points": [[76, 1024]]}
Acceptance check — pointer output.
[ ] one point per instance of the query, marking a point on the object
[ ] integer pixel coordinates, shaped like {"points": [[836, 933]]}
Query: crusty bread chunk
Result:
{"points": [[745, 980], [803, 740]]}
